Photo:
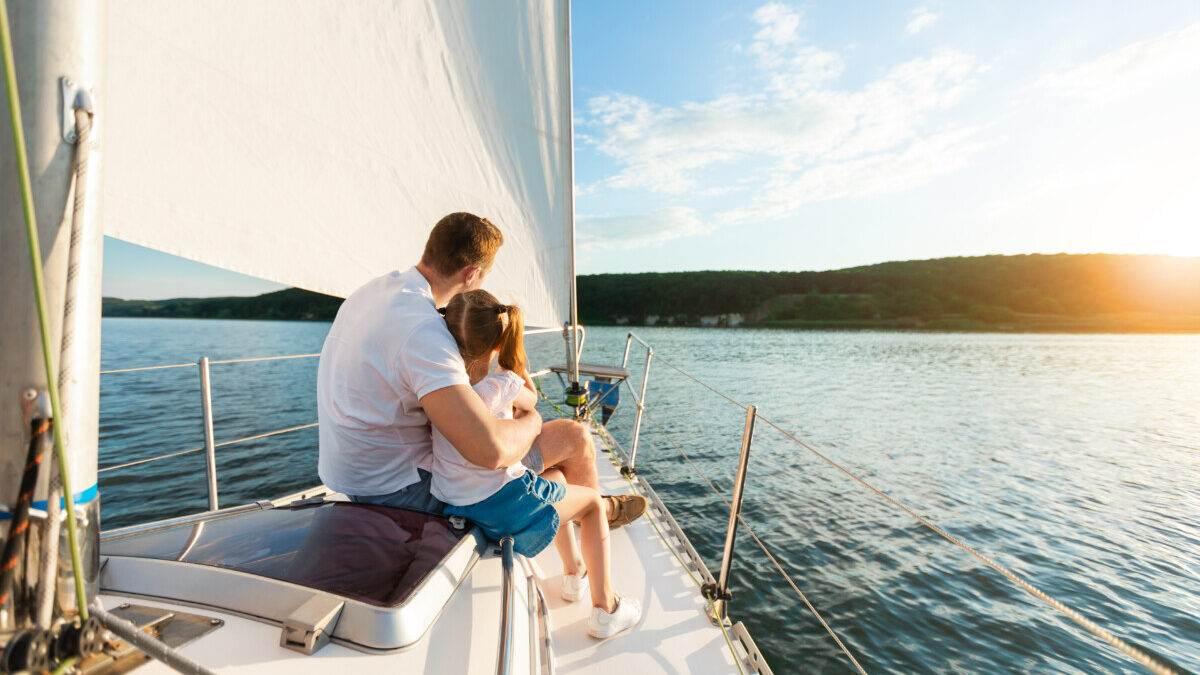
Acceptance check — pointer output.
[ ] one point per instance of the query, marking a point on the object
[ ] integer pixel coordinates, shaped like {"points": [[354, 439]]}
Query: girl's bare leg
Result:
{"points": [[584, 505], [566, 541]]}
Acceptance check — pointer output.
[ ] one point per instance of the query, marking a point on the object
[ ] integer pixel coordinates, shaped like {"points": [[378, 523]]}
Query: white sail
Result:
{"points": [[314, 144]]}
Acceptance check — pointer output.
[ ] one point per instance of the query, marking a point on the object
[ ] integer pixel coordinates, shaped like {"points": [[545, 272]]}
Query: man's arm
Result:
{"points": [[459, 413]]}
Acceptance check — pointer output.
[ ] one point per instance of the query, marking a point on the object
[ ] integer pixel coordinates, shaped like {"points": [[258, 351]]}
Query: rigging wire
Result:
{"points": [[1149, 662], [774, 561], [687, 568], [720, 621], [35, 261]]}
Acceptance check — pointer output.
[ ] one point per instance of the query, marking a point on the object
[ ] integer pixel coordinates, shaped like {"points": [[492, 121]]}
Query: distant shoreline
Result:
{"points": [[815, 327], [1094, 293]]}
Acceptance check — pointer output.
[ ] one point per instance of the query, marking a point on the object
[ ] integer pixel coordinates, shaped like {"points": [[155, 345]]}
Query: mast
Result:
{"points": [[574, 390], [52, 41]]}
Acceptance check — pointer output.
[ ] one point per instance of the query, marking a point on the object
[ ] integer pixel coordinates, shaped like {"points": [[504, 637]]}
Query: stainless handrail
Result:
{"points": [[508, 610], [639, 400], [210, 444], [210, 441]]}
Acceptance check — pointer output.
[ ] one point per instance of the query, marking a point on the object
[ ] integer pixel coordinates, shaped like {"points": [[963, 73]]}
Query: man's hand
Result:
{"points": [[459, 413]]}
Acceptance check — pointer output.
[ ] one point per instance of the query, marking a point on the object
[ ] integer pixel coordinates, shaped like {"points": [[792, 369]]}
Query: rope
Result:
{"points": [[728, 641], [14, 545], [39, 289], [1149, 662], [48, 572]]}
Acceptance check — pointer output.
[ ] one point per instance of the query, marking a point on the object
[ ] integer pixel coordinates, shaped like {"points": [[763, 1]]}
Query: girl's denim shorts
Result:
{"points": [[523, 508]]}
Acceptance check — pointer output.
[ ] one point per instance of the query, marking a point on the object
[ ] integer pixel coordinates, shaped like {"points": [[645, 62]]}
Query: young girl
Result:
{"points": [[513, 501]]}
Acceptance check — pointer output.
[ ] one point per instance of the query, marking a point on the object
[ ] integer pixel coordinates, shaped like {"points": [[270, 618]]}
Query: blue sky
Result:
{"points": [[751, 135]]}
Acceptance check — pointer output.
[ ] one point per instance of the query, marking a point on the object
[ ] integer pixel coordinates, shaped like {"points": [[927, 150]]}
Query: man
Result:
{"points": [[389, 368]]}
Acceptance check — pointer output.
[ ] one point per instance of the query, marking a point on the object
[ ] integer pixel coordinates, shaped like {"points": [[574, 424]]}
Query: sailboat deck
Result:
{"points": [[675, 635]]}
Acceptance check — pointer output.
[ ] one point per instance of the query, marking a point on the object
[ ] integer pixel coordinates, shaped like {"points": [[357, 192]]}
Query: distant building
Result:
{"points": [[714, 320], [622, 320], [651, 319]]}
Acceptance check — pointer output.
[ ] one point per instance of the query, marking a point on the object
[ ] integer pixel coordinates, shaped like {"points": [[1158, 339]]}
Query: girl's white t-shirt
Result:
{"points": [[459, 482]]}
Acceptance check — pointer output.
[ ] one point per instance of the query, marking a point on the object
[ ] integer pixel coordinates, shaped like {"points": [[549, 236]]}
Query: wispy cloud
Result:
{"points": [[640, 229], [799, 140], [1128, 71], [920, 19]]}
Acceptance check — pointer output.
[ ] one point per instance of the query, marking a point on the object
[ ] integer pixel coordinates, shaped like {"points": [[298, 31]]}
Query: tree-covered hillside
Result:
{"points": [[1026, 292], [1044, 292], [288, 304]]}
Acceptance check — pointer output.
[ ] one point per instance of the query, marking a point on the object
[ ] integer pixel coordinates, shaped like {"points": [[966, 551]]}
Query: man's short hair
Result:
{"points": [[460, 240]]}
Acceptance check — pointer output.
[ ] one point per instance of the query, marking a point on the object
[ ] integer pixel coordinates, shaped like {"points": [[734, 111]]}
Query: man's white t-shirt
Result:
{"points": [[387, 348], [459, 482]]}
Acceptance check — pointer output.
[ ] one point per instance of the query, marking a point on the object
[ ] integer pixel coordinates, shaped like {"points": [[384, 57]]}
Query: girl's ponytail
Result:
{"points": [[512, 341]]}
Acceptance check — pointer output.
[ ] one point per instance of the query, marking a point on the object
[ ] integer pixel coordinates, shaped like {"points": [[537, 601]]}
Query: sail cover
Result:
{"points": [[316, 143]]}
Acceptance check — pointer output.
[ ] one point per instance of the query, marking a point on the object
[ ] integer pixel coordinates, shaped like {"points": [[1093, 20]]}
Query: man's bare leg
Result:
{"points": [[569, 454], [567, 445]]}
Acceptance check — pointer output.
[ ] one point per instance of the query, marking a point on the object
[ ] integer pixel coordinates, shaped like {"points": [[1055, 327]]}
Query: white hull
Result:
{"points": [[675, 635]]}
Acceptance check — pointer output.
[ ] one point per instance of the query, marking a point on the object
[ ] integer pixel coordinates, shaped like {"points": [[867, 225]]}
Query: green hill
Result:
{"points": [[289, 304], [1112, 293]]}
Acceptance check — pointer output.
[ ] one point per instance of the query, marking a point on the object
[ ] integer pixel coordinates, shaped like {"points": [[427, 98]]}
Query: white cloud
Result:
{"points": [[640, 229], [1128, 71], [920, 19], [800, 140], [1095, 145], [778, 49]]}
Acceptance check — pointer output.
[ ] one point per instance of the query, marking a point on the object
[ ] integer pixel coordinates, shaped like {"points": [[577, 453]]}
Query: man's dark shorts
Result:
{"points": [[417, 497]]}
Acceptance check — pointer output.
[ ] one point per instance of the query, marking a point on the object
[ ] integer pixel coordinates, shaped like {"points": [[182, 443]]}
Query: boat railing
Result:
{"points": [[639, 399], [715, 589], [508, 610], [204, 368], [718, 591]]}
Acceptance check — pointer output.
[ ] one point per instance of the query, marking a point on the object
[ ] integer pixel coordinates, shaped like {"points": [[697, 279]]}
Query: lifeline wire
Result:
{"points": [[1097, 631], [774, 561], [720, 621], [35, 260], [686, 568]]}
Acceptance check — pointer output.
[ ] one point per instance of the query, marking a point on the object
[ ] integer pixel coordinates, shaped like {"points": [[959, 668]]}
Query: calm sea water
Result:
{"points": [[1075, 460]]}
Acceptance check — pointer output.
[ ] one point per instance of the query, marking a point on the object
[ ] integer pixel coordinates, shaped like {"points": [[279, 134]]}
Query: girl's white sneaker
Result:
{"points": [[603, 625], [574, 587]]}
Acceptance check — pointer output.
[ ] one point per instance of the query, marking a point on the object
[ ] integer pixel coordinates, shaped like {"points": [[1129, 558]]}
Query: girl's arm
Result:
{"points": [[526, 400]]}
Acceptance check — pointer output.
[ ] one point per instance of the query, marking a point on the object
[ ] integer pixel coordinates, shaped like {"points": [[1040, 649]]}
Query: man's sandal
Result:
{"points": [[624, 509]]}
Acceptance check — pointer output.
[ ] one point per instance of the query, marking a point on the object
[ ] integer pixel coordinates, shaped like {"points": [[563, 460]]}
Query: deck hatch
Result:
{"points": [[373, 554], [395, 569]]}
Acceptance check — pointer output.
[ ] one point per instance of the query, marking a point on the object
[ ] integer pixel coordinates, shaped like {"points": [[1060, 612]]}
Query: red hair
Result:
{"points": [[481, 324]]}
